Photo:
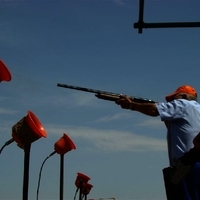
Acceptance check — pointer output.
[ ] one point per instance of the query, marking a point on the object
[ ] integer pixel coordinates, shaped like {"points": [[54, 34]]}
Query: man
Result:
{"points": [[181, 115]]}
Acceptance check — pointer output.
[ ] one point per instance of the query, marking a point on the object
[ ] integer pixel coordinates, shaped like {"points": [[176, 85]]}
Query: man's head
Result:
{"points": [[183, 92]]}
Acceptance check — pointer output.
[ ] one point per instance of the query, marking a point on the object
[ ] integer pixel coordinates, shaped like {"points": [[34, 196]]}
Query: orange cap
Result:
{"points": [[182, 89]]}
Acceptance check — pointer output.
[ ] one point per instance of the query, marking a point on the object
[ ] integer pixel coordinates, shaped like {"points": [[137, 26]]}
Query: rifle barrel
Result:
{"points": [[85, 89], [104, 94]]}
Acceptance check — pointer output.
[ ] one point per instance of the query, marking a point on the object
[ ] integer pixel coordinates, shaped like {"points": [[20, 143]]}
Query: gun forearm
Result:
{"points": [[109, 97], [115, 97]]}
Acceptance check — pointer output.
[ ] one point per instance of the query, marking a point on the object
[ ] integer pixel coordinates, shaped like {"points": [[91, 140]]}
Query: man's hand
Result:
{"points": [[124, 102], [145, 108]]}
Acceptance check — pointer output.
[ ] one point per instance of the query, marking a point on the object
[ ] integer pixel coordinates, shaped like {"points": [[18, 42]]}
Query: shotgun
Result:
{"points": [[109, 96]]}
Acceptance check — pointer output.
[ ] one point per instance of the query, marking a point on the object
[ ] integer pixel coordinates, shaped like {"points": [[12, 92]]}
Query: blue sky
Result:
{"points": [[92, 44]]}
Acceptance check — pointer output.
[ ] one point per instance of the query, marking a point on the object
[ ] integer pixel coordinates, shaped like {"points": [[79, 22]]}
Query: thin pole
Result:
{"points": [[61, 176], [141, 15], [80, 189], [26, 171]]}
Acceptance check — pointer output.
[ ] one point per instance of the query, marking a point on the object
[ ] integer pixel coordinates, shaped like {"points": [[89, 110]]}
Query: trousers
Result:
{"points": [[187, 189]]}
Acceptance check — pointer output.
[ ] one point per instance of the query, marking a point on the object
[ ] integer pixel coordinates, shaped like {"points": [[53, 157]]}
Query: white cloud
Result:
{"points": [[119, 2], [109, 140], [7, 111], [114, 117], [72, 98], [152, 122], [83, 99]]}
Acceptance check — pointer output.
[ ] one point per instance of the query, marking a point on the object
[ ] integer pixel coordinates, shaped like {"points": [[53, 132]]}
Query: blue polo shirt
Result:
{"points": [[182, 118]]}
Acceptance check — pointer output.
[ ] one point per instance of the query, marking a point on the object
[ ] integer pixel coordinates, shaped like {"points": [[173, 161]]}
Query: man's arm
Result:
{"points": [[145, 108]]}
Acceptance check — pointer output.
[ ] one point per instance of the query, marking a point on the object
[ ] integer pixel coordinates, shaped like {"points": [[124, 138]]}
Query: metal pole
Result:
{"points": [[80, 189], [61, 176], [141, 14], [26, 171]]}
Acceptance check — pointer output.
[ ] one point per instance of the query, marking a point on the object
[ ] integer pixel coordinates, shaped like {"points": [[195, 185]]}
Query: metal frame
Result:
{"points": [[141, 24]]}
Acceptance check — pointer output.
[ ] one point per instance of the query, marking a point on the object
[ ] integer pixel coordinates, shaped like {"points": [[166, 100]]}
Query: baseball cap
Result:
{"points": [[182, 89]]}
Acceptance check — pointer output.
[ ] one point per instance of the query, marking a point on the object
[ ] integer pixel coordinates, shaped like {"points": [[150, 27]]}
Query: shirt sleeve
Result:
{"points": [[171, 110]]}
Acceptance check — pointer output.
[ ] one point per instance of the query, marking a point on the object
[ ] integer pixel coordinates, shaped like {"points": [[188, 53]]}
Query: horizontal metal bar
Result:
{"points": [[140, 25]]}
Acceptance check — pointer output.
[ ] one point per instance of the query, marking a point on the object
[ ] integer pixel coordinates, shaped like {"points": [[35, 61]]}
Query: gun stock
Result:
{"points": [[109, 96]]}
